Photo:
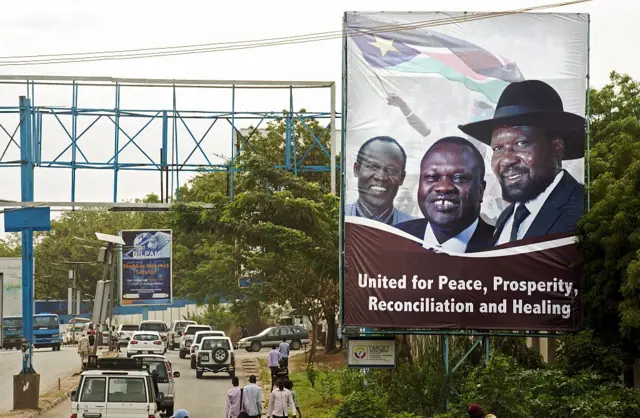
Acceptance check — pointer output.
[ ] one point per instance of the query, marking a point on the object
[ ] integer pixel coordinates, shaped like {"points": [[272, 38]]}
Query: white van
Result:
{"points": [[116, 388]]}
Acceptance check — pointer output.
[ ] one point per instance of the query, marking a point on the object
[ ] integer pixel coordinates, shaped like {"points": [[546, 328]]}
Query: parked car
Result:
{"points": [[158, 326], [295, 335], [125, 331], [145, 342], [187, 338], [164, 377], [216, 355], [197, 339], [179, 326]]}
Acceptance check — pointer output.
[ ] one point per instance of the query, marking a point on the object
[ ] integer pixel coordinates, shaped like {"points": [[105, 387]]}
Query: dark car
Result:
{"points": [[295, 335]]}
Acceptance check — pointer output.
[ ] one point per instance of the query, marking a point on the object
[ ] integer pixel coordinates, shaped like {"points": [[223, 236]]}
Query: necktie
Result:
{"points": [[521, 214]]}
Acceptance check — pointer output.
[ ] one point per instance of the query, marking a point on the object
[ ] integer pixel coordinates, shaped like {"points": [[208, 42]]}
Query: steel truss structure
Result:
{"points": [[173, 157]]}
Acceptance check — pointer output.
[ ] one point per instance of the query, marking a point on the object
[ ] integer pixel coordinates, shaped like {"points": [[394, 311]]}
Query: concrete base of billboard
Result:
{"points": [[26, 391]]}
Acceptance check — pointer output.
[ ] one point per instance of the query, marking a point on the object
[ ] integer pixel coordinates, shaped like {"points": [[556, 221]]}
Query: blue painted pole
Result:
{"points": [[27, 188], [116, 150], [145, 313], [233, 143], [74, 131]]}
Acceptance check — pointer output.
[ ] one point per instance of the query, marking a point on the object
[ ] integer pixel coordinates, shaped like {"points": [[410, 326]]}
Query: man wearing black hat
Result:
{"points": [[450, 193], [531, 134]]}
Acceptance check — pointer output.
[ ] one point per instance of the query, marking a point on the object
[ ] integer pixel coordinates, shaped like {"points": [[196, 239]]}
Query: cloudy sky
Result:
{"points": [[45, 27]]}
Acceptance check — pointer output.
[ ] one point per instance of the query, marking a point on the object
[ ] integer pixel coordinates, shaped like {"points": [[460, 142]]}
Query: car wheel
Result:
{"points": [[182, 354], [193, 362], [220, 355], [198, 374], [256, 346], [295, 345]]}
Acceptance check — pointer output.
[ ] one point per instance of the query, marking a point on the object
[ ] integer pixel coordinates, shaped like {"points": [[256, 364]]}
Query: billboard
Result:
{"points": [[11, 298], [371, 352], [463, 170], [146, 267]]}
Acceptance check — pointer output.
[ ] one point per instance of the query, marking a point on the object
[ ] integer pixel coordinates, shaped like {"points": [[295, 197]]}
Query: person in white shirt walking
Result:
{"points": [[280, 402], [274, 363], [233, 407], [252, 398], [284, 352]]}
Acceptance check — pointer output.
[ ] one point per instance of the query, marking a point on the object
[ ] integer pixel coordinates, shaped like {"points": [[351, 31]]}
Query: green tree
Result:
{"points": [[609, 236]]}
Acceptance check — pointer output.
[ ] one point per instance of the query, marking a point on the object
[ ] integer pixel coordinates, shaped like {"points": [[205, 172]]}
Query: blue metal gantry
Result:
{"points": [[174, 157], [29, 123]]}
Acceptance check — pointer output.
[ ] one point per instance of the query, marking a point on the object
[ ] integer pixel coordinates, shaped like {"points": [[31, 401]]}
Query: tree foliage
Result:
{"points": [[609, 233]]}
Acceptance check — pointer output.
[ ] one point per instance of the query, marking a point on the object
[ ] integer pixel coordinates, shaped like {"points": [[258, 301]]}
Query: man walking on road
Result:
{"points": [[233, 407], [284, 352], [280, 402], [83, 350], [274, 363], [252, 398]]}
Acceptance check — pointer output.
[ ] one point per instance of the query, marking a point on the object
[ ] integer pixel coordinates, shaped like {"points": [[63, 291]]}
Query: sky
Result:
{"points": [[45, 27]]}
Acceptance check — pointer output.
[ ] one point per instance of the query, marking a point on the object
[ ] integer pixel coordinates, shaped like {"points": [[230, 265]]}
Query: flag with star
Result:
{"points": [[426, 51]]}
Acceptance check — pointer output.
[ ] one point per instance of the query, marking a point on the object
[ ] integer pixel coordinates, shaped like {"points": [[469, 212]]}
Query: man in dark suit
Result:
{"points": [[450, 195], [531, 134]]}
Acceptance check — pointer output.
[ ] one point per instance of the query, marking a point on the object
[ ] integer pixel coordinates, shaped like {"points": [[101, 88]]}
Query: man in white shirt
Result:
{"points": [[280, 402], [450, 193], [252, 398], [274, 363], [531, 134], [233, 406], [284, 352]]}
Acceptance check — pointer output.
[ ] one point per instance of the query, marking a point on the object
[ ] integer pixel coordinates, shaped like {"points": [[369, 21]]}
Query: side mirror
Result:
{"points": [[73, 395], [176, 374], [160, 397]]}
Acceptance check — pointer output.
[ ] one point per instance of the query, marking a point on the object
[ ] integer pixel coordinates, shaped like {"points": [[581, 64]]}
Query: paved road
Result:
{"points": [[201, 397], [51, 365]]}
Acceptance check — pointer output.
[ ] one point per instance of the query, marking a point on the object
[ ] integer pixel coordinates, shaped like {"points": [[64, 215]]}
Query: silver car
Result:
{"points": [[165, 378]]}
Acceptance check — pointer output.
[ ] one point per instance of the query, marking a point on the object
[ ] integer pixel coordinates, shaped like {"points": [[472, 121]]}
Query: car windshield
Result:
{"points": [[211, 344], [180, 326], [159, 367], [12, 322], [45, 321], [206, 334], [265, 332], [129, 328], [153, 326], [193, 330], [145, 337]]}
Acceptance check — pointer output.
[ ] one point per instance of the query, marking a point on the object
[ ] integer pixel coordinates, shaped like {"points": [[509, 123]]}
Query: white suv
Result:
{"points": [[177, 328], [187, 338], [197, 339], [164, 376], [216, 355], [116, 388], [158, 326], [145, 342]]}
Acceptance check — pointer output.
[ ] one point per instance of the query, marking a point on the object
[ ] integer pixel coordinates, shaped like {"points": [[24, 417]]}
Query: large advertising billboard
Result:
{"points": [[146, 267], [463, 170]]}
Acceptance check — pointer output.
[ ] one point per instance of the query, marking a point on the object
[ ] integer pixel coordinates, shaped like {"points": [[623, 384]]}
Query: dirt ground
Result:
{"points": [[322, 361]]}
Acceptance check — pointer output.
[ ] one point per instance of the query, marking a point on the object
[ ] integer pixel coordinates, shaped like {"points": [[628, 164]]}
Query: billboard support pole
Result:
{"points": [[588, 116], [487, 349], [444, 339], [343, 134]]}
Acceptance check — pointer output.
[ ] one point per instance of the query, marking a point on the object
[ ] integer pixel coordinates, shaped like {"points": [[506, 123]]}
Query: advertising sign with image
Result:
{"points": [[463, 166]]}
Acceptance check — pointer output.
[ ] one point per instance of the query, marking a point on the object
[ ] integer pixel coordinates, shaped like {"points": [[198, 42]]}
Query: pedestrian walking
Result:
{"points": [[274, 363], [83, 351], [233, 402], [280, 402], [289, 386], [475, 411], [284, 352], [252, 398], [244, 332], [180, 413]]}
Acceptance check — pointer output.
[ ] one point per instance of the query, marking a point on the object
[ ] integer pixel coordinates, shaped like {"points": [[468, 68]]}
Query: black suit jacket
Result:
{"points": [[559, 213], [480, 240]]}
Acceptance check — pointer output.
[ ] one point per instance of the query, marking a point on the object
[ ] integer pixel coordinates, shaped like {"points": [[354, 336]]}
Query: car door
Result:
{"points": [[272, 337], [92, 398], [286, 332], [165, 379], [128, 397]]}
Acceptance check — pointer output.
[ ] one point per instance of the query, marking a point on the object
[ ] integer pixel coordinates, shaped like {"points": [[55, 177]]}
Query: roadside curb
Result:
{"points": [[60, 399]]}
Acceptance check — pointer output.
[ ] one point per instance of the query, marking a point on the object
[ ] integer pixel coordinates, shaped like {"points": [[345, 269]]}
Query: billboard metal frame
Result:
{"points": [[483, 340], [121, 276], [172, 159]]}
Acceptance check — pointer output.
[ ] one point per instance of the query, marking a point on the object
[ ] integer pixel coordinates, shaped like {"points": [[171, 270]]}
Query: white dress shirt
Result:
{"points": [[274, 358], [252, 400], [457, 244], [533, 206], [281, 401]]}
